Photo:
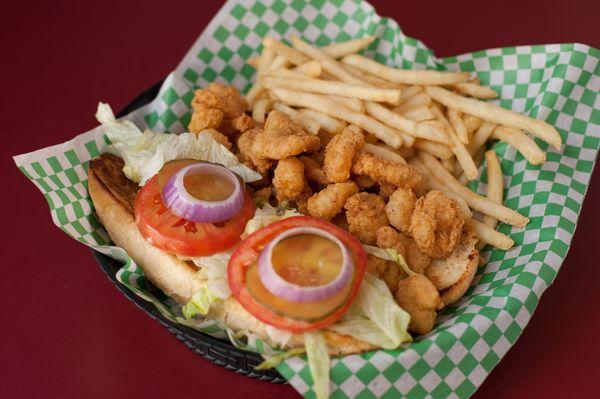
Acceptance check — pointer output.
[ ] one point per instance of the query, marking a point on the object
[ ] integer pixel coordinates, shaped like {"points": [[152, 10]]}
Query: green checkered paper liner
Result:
{"points": [[557, 83]]}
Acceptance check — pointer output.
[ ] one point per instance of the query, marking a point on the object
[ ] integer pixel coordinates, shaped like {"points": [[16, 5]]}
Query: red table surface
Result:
{"points": [[68, 333]]}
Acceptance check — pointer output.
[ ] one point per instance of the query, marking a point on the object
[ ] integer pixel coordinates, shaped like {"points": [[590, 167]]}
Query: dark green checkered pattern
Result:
{"points": [[557, 83]]}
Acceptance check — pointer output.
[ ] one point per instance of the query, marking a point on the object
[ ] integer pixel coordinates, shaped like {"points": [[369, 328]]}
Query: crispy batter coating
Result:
{"points": [[313, 171], [205, 118], [386, 190], [329, 202], [417, 295], [282, 137], [388, 172], [288, 179], [246, 153], [376, 265], [364, 182], [264, 193], [215, 107], [387, 237], [365, 213], [340, 152], [218, 137], [436, 224], [400, 208], [243, 123], [302, 199]]}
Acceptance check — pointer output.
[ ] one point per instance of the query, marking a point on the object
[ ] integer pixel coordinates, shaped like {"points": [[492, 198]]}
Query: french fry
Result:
{"points": [[327, 123], [338, 50], [522, 143], [403, 75], [292, 55], [495, 185], [319, 103], [449, 164], [390, 118], [257, 89], [481, 136], [435, 184], [475, 90], [382, 152], [310, 125], [355, 129], [496, 114], [418, 114], [418, 100], [351, 103], [490, 236], [411, 91], [278, 62], [475, 201], [472, 123], [477, 159], [285, 73], [253, 61], [458, 148], [455, 119], [370, 79], [335, 88], [438, 150], [311, 68], [260, 109]]}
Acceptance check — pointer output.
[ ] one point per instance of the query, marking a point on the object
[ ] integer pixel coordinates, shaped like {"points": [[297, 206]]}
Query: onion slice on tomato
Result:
{"points": [[180, 202], [282, 288]]}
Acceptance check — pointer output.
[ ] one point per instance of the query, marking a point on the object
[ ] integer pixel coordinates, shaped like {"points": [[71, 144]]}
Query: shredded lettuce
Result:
{"points": [[213, 270], [277, 336], [200, 303], [356, 324], [266, 214], [318, 363], [274, 360], [145, 153]]}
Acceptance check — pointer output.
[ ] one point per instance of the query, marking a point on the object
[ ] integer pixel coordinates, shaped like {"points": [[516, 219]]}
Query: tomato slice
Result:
{"points": [[183, 237], [242, 268]]}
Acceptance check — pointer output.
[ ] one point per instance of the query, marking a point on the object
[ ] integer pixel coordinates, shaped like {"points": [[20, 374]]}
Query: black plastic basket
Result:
{"points": [[222, 353]]}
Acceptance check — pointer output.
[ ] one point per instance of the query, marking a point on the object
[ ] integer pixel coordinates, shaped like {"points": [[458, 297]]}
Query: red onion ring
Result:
{"points": [[282, 288], [183, 204]]}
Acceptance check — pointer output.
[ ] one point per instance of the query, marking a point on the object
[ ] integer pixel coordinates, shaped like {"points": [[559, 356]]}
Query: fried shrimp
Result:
{"points": [[282, 137], [246, 153], [216, 107], [436, 224], [365, 213], [400, 208], [418, 296], [329, 202], [387, 237], [313, 171], [288, 179], [340, 152], [218, 137], [388, 172]]}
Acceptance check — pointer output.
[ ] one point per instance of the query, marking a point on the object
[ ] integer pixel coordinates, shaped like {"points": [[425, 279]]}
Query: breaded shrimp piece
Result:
{"points": [[288, 179], [365, 213], [216, 107], [218, 137], [264, 193], [246, 153], [364, 182], [302, 199], [436, 224], [340, 221], [340, 152], [313, 171], [282, 137], [400, 208], [386, 190], [329, 202], [243, 123], [376, 265], [388, 172], [418, 296], [387, 237]]}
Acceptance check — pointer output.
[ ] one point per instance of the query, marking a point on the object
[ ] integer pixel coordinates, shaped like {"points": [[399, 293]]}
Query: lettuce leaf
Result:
{"points": [[318, 363], [266, 214], [213, 270], [391, 255], [200, 303], [273, 361], [145, 153]]}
